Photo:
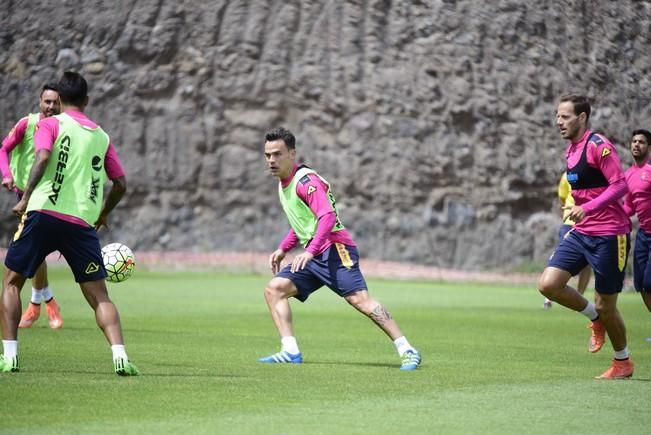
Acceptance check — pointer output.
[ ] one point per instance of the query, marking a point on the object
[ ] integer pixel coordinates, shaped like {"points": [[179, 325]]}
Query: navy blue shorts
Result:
{"points": [[40, 234], [607, 255], [563, 230], [642, 261], [337, 267]]}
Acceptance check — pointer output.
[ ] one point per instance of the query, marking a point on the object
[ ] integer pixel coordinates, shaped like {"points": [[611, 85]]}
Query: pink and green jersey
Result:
{"points": [[602, 187], [638, 200], [17, 152], [48, 133], [315, 194]]}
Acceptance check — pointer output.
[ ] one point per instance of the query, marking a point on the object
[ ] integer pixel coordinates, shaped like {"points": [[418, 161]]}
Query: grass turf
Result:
{"points": [[493, 362]]}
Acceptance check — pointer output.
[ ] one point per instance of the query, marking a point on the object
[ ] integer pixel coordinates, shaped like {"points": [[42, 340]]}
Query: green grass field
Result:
{"points": [[494, 362]]}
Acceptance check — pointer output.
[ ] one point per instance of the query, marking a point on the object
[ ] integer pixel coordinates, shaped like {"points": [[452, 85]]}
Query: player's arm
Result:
{"points": [[608, 162], [115, 173], [629, 208], [14, 137], [606, 159], [563, 191], [7, 177], [289, 242], [35, 175], [314, 194]]}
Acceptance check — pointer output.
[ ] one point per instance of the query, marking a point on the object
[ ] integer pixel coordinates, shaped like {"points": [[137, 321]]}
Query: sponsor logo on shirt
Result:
{"points": [[572, 177], [311, 189], [97, 163], [59, 175], [605, 152], [94, 188]]}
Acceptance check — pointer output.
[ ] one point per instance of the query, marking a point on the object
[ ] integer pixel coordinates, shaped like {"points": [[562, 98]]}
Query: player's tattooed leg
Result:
{"points": [[380, 315]]}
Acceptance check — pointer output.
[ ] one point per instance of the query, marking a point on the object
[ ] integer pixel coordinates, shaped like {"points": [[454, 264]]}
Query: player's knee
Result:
{"points": [[361, 301], [275, 289], [13, 281], [546, 286], [605, 306]]}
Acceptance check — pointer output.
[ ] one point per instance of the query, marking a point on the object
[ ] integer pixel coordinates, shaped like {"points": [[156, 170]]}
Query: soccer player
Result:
{"points": [[64, 203], [329, 257], [567, 201], [638, 201], [18, 148], [600, 237]]}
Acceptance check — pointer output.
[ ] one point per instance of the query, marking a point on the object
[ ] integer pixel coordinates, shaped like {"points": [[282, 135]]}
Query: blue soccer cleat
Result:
{"points": [[283, 357], [410, 360]]}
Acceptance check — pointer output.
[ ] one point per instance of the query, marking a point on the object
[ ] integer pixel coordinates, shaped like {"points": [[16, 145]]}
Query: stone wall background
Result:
{"points": [[433, 120]]}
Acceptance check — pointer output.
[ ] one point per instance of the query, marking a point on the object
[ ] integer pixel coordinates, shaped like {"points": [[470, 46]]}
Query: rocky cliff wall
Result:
{"points": [[433, 120]]}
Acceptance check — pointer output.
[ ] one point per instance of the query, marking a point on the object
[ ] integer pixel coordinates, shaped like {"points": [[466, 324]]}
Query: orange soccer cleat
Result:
{"points": [[30, 316], [598, 336], [620, 369], [54, 314]]}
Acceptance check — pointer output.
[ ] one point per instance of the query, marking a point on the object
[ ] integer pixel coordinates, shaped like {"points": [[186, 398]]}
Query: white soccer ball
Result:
{"points": [[119, 262]]}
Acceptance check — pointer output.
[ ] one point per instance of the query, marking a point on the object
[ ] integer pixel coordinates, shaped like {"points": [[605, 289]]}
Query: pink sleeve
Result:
{"points": [[323, 230], [4, 163], [613, 193], [628, 204], [289, 242], [46, 134], [315, 195], [112, 163], [604, 156], [14, 137]]}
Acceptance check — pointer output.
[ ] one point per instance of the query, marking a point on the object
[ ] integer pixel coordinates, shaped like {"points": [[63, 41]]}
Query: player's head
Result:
{"points": [[572, 116], [73, 89], [280, 152], [49, 100], [640, 140]]}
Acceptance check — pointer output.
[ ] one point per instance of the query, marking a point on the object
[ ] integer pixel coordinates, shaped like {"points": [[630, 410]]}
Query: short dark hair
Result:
{"points": [[281, 133], [72, 88], [645, 133], [580, 102], [49, 86]]}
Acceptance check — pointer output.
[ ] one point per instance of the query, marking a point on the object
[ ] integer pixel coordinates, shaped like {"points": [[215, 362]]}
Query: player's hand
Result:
{"points": [[300, 261], [275, 259], [8, 183], [19, 209], [576, 213], [102, 221]]}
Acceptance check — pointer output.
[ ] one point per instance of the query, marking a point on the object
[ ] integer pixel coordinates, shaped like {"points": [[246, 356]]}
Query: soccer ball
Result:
{"points": [[119, 262]]}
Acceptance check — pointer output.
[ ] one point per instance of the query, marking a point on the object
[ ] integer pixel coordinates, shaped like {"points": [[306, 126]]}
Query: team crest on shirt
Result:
{"points": [[605, 152], [311, 189]]}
